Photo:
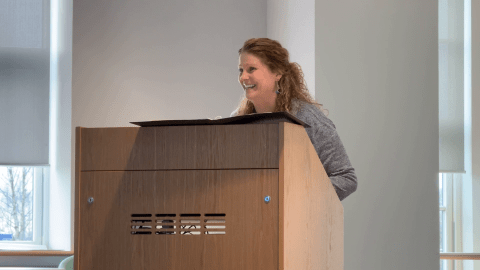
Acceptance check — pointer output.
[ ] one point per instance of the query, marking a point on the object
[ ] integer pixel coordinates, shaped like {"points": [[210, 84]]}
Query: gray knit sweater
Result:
{"points": [[329, 147]]}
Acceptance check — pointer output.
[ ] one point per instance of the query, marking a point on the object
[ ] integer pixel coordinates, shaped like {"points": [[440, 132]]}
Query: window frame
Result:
{"points": [[40, 174]]}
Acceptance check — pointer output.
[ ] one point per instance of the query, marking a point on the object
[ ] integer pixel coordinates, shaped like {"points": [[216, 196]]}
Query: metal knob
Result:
{"points": [[267, 199]]}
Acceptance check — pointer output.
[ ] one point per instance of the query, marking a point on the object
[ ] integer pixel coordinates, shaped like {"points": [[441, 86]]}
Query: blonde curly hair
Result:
{"points": [[292, 83]]}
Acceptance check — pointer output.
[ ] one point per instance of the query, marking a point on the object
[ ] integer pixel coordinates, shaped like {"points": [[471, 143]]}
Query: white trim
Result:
{"points": [[19, 246], [37, 205]]}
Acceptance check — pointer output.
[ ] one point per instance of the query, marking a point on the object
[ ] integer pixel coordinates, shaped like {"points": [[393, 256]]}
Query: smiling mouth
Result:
{"points": [[249, 86]]}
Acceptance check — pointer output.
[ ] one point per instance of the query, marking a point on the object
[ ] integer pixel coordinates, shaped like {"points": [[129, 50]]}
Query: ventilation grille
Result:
{"points": [[178, 224]]}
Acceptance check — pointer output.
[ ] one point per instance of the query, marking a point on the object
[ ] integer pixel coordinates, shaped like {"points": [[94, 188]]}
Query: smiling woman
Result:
{"points": [[259, 82], [264, 64], [273, 84]]}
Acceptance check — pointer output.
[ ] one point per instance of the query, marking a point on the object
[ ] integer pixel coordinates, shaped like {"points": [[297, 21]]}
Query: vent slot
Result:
{"points": [[142, 227], [214, 215], [214, 227], [190, 215], [166, 227], [139, 225], [190, 233], [190, 221], [215, 223], [166, 215], [167, 224], [166, 220], [141, 215], [165, 232], [141, 220], [141, 232], [214, 232], [178, 224], [190, 226]]}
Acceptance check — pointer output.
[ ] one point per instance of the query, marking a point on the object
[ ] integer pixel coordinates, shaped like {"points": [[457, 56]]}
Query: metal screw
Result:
{"points": [[267, 199], [90, 200]]}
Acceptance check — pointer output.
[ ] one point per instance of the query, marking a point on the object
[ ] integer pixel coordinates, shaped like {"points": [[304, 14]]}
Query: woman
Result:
{"points": [[273, 84]]}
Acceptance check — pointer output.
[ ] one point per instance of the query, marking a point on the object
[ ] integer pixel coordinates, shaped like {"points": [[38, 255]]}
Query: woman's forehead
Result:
{"points": [[247, 59]]}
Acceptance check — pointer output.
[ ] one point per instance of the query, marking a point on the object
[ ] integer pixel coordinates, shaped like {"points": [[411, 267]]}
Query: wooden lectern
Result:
{"points": [[251, 196]]}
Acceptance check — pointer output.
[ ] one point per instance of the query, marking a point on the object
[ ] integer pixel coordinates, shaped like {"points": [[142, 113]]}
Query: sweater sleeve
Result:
{"points": [[330, 150]]}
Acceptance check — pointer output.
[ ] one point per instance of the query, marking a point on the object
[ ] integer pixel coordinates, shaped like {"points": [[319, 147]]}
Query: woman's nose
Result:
{"points": [[243, 77]]}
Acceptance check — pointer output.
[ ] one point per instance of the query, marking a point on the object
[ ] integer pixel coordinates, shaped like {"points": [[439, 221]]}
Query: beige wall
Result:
{"points": [[292, 23], [377, 73]]}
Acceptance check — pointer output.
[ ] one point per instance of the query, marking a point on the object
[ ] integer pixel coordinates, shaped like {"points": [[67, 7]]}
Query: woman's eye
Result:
{"points": [[241, 70]]}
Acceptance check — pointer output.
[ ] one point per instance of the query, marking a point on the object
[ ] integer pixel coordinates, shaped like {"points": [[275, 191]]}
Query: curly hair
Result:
{"points": [[292, 83]]}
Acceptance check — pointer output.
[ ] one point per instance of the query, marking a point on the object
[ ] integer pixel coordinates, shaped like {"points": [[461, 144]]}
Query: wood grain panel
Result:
{"points": [[250, 241], [217, 147], [116, 149], [104, 224], [180, 147], [310, 214]]}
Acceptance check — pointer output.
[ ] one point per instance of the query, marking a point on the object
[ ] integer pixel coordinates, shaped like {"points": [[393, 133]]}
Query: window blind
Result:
{"points": [[24, 81], [451, 85]]}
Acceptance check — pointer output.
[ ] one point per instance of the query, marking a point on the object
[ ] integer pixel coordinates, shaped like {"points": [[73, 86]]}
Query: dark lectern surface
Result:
{"points": [[254, 118]]}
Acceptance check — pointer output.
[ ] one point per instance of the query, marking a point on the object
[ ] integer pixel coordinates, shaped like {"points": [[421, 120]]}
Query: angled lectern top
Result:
{"points": [[245, 192]]}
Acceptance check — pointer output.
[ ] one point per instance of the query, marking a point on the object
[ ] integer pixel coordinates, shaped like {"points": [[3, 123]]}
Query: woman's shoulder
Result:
{"points": [[311, 114]]}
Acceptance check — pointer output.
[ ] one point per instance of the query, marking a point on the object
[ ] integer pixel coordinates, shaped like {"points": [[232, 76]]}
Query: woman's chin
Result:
{"points": [[250, 95]]}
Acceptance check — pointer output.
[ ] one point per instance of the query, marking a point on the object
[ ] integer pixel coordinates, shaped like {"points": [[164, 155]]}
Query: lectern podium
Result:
{"points": [[206, 197]]}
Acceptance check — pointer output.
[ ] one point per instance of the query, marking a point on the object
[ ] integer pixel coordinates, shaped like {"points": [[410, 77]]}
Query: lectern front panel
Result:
{"points": [[180, 148], [179, 219]]}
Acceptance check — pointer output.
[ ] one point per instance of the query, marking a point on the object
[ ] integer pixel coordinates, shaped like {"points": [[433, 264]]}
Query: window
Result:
{"points": [[458, 200], [451, 219], [21, 207], [24, 121]]}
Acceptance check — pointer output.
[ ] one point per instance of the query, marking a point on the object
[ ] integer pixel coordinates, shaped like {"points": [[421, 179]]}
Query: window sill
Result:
{"points": [[26, 268], [459, 256], [36, 253]]}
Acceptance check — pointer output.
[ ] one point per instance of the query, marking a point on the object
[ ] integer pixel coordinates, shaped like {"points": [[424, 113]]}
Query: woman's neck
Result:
{"points": [[264, 107]]}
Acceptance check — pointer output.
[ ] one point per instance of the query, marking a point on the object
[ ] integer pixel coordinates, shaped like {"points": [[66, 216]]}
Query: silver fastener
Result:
{"points": [[90, 200], [267, 199]]}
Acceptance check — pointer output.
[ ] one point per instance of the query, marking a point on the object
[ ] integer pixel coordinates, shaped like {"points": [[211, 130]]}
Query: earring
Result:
{"points": [[278, 88]]}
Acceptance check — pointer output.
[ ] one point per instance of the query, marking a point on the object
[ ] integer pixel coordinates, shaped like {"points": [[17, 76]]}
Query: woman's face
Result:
{"points": [[254, 73]]}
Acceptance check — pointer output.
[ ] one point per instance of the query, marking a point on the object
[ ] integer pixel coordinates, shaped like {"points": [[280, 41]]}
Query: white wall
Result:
{"points": [[292, 23], [152, 60], [377, 73]]}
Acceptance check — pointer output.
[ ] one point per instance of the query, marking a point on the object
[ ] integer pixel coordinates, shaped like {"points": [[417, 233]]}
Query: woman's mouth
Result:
{"points": [[249, 86]]}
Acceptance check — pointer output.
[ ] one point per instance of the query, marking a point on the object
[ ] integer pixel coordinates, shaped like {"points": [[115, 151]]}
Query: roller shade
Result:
{"points": [[24, 81], [451, 85]]}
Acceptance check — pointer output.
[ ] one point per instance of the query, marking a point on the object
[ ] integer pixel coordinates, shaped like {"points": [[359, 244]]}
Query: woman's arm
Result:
{"points": [[330, 150], [334, 159]]}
